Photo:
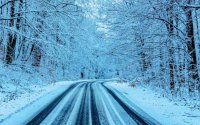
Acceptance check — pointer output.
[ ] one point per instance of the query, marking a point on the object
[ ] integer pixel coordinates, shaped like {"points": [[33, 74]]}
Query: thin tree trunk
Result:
{"points": [[10, 52], [193, 72], [170, 28]]}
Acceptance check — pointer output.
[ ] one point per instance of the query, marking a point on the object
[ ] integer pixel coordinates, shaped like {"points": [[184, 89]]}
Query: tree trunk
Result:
{"points": [[37, 55], [10, 52], [170, 28], [193, 72]]}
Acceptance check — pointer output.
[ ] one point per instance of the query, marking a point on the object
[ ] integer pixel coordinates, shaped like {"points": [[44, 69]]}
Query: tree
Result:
{"points": [[193, 71], [10, 51]]}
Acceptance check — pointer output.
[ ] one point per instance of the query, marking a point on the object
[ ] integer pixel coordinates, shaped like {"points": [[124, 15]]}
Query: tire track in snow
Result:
{"points": [[104, 116], [112, 111], [91, 103], [94, 111], [46, 111], [129, 111], [83, 115], [63, 116]]}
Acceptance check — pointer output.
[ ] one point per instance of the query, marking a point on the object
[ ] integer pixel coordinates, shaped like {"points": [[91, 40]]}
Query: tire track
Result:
{"points": [[130, 112], [83, 115], [46, 111], [102, 110], [89, 108], [110, 107], [63, 116], [94, 111]]}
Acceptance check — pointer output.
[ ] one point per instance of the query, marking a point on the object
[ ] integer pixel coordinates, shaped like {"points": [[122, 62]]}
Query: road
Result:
{"points": [[90, 103]]}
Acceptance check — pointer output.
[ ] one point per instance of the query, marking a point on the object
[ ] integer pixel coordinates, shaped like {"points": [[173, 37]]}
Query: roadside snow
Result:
{"points": [[162, 109], [35, 99]]}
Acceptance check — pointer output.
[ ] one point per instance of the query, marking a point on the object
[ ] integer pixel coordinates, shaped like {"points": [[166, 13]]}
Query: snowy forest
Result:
{"points": [[152, 43]]}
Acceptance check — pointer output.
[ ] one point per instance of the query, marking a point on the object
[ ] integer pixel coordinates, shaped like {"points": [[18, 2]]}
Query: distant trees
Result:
{"points": [[168, 41], [51, 37], [157, 41], [37, 33]]}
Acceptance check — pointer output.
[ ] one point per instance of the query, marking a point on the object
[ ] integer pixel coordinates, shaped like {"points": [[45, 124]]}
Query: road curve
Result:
{"points": [[90, 103]]}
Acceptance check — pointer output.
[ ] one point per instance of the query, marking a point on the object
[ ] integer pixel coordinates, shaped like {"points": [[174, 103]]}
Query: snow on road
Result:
{"points": [[84, 103], [92, 102], [55, 113], [162, 109]]}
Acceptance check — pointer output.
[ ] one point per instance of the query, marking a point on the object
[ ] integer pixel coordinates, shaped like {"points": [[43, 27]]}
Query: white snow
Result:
{"points": [[73, 115], [113, 107], [162, 109], [110, 120], [29, 104], [52, 116]]}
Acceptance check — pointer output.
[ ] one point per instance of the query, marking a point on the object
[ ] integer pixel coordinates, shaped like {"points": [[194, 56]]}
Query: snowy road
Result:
{"points": [[90, 103]]}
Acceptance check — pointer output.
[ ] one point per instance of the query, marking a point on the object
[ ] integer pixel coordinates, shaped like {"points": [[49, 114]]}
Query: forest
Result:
{"points": [[153, 43]]}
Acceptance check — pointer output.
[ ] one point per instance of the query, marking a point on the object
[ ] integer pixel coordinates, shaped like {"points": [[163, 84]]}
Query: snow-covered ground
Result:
{"points": [[21, 85], [36, 96], [162, 109]]}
